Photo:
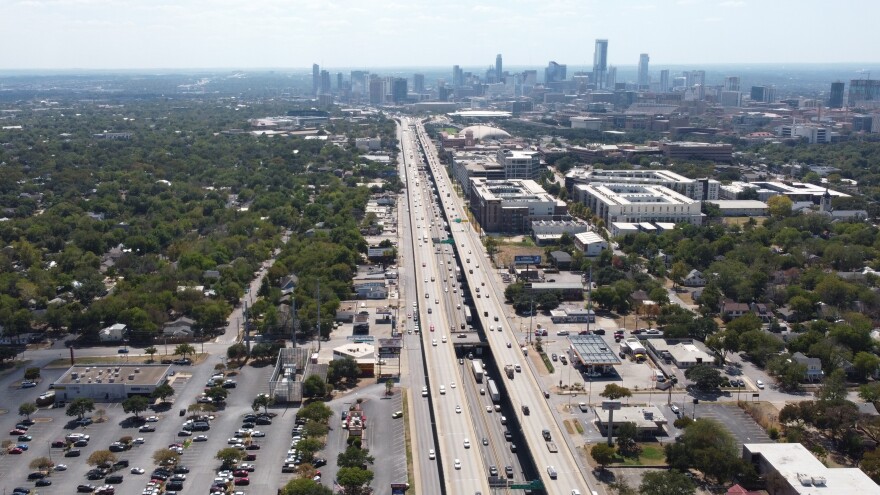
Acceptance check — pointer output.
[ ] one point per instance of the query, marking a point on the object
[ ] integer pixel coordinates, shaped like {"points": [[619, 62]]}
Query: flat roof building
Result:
{"points": [[550, 231], [649, 420], [740, 207], [683, 353], [509, 205], [590, 243], [592, 350], [699, 189], [686, 150], [638, 203], [795, 471], [110, 382]]}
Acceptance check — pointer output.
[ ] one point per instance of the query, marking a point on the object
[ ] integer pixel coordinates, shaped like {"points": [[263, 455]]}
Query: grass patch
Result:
{"points": [[407, 439], [578, 427], [568, 427], [118, 359], [651, 455], [547, 362]]}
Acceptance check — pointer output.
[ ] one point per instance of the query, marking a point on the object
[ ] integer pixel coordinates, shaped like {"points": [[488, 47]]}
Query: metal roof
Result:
{"points": [[593, 350]]}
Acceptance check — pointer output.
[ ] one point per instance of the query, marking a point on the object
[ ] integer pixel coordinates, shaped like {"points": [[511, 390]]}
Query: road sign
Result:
{"points": [[527, 260], [531, 485]]}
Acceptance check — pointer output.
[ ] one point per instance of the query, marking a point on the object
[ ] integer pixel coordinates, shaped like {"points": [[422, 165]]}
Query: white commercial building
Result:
{"points": [[590, 243], [110, 382], [550, 231], [509, 205], [699, 189], [638, 203], [741, 207], [795, 471], [520, 164]]}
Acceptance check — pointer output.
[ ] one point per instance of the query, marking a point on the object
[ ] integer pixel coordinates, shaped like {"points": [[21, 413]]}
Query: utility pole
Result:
{"points": [[293, 319], [319, 315]]}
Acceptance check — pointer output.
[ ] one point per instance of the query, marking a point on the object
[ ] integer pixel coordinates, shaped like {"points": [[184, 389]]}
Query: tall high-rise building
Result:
{"points": [[457, 77], [731, 83], [664, 81], [643, 80], [325, 82], [765, 94], [554, 72], [611, 77], [339, 81], [377, 90], [419, 83], [398, 89], [836, 99], [316, 78], [529, 77], [864, 92], [698, 81], [600, 62], [499, 69]]}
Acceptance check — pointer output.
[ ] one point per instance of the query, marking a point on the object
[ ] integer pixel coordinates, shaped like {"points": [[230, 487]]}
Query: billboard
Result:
{"points": [[527, 260]]}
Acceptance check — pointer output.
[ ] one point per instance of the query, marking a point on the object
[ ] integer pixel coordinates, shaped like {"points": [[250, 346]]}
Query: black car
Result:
{"points": [[114, 479], [114, 447], [43, 482], [493, 471], [81, 443], [174, 485], [36, 476], [319, 462], [248, 425], [507, 435], [599, 331], [508, 470], [120, 464], [95, 475], [59, 444], [160, 476], [85, 488], [264, 421], [21, 489], [72, 453], [181, 470]]}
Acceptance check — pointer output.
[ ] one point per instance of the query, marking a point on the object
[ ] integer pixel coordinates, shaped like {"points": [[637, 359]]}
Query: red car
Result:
{"points": [[243, 473], [242, 481], [15, 450], [17, 431]]}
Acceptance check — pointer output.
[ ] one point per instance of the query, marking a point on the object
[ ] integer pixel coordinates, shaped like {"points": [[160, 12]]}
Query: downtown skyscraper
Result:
{"points": [[600, 63], [643, 79], [499, 74]]}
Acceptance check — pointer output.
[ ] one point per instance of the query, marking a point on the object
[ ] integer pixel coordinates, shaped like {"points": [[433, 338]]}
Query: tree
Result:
{"points": [[669, 482], [315, 411], [870, 392], [866, 363], [135, 404], [101, 458], [678, 273], [614, 391], [603, 454], [722, 343], [163, 392], [779, 206], [346, 370], [305, 486], [27, 409], [354, 457], [626, 439], [315, 429], [788, 372], [354, 480], [217, 394], [151, 351], [871, 465], [236, 352], [704, 376], [833, 388], [166, 457], [308, 447], [229, 456], [184, 350], [708, 447], [80, 407], [7, 353], [31, 373], [314, 386], [42, 464], [263, 401]]}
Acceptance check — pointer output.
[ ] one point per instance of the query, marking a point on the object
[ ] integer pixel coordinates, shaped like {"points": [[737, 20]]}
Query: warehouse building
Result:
{"points": [[699, 189], [638, 203], [111, 382]]}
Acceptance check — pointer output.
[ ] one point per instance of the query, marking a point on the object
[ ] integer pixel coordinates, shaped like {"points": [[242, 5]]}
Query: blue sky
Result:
{"points": [[121, 34]]}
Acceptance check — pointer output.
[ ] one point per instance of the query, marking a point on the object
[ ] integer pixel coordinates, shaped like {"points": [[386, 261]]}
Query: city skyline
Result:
{"points": [[193, 34]]}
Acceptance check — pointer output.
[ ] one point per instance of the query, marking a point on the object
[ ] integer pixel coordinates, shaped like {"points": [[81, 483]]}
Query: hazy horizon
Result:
{"points": [[166, 35]]}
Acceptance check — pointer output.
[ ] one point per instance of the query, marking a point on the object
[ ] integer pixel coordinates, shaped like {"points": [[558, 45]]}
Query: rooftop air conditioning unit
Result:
{"points": [[819, 480], [137, 370], [131, 377], [110, 380]]}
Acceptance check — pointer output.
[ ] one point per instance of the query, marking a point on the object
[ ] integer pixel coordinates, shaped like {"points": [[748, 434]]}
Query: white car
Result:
{"points": [[152, 419], [443, 338], [434, 342], [233, 441], [200, 438], [457, 464], [759, 384], [137, 470], [431, 454], [467, 443], [60, 467], [452, 384], [458, 409], [139, 440], [488, 409], [258, 433]]}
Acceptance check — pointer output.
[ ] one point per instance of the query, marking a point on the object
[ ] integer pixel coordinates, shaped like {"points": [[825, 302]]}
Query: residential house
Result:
{"points": [[288, 284], [730, 309], [694, 279], [814, 366], [113, 333], [181, 327], [763, 312], [211, 274], [638, 298], [371, 290]]}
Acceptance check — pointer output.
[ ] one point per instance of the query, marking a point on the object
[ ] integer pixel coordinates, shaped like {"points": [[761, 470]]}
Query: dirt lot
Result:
{"points": [[506, 252]]}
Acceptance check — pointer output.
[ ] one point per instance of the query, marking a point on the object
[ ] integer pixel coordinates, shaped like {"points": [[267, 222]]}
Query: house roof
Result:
{"points": [[561, 256]]}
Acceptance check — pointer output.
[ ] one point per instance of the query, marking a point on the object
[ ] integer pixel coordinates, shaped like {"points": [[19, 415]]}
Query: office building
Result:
{"points": [[611, 77], [554, 72], [499, 72], [377, 90], [316, 78], [519, 164], [600, 62], [529, 78], [509, 205], [685, 150], [731, 83], [814, 134], [325, 83], [765, 94], [419, 83], [698, 189], [643, 80], [794, 470], [731, 99], [836, 98], [864, 92], [398, 90], [549, 231], [637, 203], [339, 82], [698, 83], [664, 81]]}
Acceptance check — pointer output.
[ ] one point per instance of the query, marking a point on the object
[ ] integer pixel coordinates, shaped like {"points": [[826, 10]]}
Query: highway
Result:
{"points": [[456, 434], [524, 389]]}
